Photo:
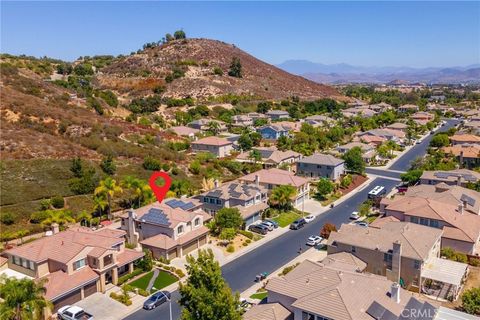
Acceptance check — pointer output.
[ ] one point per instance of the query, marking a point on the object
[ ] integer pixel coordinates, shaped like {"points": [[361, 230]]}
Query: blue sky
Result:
{"points": [[417, 34]]}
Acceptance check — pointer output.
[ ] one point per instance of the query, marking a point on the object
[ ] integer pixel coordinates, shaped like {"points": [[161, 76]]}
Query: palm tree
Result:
{"points": [[146, 194], [282, 196], [209, 184], [108, 187], [99, 203], [214, 127], [143, 192], [22, 298], [60, 217]]}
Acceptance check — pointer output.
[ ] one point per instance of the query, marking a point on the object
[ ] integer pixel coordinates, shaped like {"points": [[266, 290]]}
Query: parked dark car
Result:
{"points": [[258, 228], [297, 224], [156, 299]]}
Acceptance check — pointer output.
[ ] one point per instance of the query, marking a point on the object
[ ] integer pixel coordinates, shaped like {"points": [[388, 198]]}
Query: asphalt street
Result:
{"points": [[241, 272]]}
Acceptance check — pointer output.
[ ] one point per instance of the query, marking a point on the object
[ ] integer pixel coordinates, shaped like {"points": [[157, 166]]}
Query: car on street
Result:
{"points": [[297, 224], [309, 218], [354, 215], [314, 240], [376, 192], [258, 228], [275, 223], [73, 313], [418, 142], [361, 223], [156, 299], [402, 187], [267, 224]]}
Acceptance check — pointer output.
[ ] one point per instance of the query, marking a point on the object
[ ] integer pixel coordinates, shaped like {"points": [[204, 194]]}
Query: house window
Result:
{"points": [[387, 257], [180, 229], [197, 222], [32, 265], [307, 316], [205, 199], [414, 220], [79, 264], [416, 264], [219, 201], [354, 249], [25, 263], [16, 260], [212, 200], [424, 221], [434, 223]]}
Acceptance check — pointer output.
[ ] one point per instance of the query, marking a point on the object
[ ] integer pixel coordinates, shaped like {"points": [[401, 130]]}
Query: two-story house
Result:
{"points": [[207, 124], [459, 177], [168, 230], [220, 147], [270, 157], [242, 120], [459, 139], [273, 131], [368, 151], [250, 199], [76, 263], [393, 249], [277, 114], [321, 166], [273, 177]]}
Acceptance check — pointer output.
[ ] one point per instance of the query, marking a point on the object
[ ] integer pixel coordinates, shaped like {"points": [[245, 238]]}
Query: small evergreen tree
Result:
{"points": [[108, 165], [235, 68]]}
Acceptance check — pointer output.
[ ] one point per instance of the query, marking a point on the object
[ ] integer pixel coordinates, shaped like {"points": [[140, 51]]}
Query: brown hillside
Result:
{"points": [[198, 58]]}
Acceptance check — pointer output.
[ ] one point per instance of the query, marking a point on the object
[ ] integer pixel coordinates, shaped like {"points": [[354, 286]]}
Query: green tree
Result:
{"points": [[245, 142], [354, 161], [108, 188], [228, 218], [263, 107], [255, 155], [57, 202], [84, 218], [108, 165], [411, 176], [147, 262], [282, 197], [214, 127], [22, 299], [77, 167], [61, 217], [179, 34], [235, 68], [365, 208], [346, 181], [324, 188], [471, 301], [440, 140], [228, 234], [205, 295]]}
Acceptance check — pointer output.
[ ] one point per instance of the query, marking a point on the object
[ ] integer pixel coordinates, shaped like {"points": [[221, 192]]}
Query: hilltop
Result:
{"points": [[199, 68]]}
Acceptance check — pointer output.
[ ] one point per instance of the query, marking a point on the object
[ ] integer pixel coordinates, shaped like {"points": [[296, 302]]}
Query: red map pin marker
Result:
{"points": [[160, 192]]}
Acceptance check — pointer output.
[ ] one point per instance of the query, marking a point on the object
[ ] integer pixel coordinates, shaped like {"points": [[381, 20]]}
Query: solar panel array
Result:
{"points": [[445, 175], [379, 312], [174, 203], [156, 216]]}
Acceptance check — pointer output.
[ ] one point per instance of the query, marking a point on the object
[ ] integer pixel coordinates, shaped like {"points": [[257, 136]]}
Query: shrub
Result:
{"points": [[247, 241], [245, 244], [180, 273], [346, 181], [230, 248], [327, 229], [45, 204], [38, 217], [286, 270], [474, 262], [246, 233], [163, 260], [108, 165], [130, 245], [217, 71], [471, 301], [142, 292], [228, 234], [150, 163], [125, 278], [58, 202], [7, 218]]}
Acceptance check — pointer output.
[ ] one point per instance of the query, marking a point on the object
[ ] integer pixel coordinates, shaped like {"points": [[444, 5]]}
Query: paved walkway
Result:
{"points": [[152, 280]]}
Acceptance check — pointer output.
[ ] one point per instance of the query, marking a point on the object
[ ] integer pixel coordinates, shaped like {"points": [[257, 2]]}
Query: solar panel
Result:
{"points": [[188, 206], [156, 216], [379, 312], [468, 200]]}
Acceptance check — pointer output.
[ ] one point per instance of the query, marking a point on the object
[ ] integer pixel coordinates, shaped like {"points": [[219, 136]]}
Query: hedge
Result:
{"points": [[125, 278]]}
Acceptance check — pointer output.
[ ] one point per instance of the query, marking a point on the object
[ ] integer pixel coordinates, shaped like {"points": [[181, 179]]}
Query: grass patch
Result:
{"points": [[259, 295], [286, 218], [142, 282], [371, 217], [164, 279], [330, 199], [79, 203]]}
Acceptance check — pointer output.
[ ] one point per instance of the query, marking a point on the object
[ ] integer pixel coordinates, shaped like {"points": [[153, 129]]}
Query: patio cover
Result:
{"points": [[445, 271], [450, 314]]}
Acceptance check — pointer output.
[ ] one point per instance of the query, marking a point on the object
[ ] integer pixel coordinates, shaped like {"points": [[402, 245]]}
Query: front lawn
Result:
{"points": [[286, 218], [142, 282], [259, 295], [164, 279]]}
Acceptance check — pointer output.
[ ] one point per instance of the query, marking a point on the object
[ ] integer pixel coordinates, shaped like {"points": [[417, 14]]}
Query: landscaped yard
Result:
{"points": [[163, 280], [286, 218], [259, 295]]}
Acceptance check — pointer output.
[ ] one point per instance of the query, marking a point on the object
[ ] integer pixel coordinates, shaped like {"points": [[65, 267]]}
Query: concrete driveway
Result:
{"points": [[101, 306], [313, 207]]}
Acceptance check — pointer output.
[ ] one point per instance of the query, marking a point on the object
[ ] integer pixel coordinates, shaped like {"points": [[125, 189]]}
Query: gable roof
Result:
{"points": [[468, 151], [275, 176], [184, 131], [465, 138], [268, 311], [212, 141], [163, 214], [235, 190], [322, 159], [270, 154], [464, 175], [344, 261]]}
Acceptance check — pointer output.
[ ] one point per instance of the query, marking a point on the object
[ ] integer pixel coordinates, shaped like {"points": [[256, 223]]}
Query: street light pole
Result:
{"points": [[169, 303]]}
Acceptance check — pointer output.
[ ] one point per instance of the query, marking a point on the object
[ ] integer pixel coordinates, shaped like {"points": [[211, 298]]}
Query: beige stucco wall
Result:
{"points": [[462, 246]]}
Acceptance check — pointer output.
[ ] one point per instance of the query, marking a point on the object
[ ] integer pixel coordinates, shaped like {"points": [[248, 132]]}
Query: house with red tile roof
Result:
{"points": [[220, 147], [76, 263], [465, 139]]}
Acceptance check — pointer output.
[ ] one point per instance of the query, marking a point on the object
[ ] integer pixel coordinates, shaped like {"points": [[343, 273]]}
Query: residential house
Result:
{"points": [[388, 134], [270, 157], [271, 178], [362, 111], [255, 115], [250, 199], [168, 230], [76, 263], [459, 139], [268, 311], [408, 108], [380, 107], [373, 140], [459, 177], [368, 151], [319, 120], [276, 130], [451, 208], [472, 126], [422, 118], [318, 291], [220, 147], [184, 131], [398, 126], [321, 166], [242, 120], [394, 249], [205, 124], [468, 155], [277, 114]]}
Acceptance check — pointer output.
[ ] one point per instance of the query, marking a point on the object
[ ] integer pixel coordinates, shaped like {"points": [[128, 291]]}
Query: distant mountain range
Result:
{"points": [[346, 73]]}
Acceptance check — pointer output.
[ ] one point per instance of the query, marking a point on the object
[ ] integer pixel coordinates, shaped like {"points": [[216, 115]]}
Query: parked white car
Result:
{"points": [[354, 215], [314, 240], [73, 313], [309, 218]]}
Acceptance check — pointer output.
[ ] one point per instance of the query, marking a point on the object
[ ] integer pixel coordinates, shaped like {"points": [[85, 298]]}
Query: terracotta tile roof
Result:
{"points": [[372, 139], [184, 131], [97, 252], [417, 240], [344, 261], [268, 311], [127, 256], [275, 176], [322, 159], [336, 294], [247, 212], [3, 260], [398, 125], [63, 246], [163, 241], [235, 190], [168, 216], [271, 154], [469, 151], [351, 145], [465, 175], [212, 141], [60, 283], [465, 138]]}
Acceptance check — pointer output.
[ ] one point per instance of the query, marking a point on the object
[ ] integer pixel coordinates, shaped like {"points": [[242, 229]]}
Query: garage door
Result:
{"points": [[172, 254], [90, 289], [203, 240], [69, 299], [189, 247]]}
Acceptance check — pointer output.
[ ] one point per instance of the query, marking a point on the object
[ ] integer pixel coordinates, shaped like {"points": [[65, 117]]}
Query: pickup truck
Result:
{"points": [[73, 313]]}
